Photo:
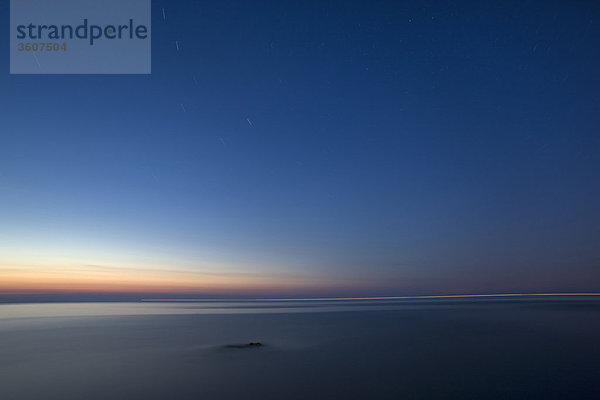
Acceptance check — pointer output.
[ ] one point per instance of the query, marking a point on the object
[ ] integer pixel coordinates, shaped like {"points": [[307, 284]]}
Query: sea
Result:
{"points": [[473, 348]]}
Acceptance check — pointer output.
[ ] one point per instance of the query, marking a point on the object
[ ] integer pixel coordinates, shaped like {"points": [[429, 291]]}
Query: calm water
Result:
{"points": [[492, 349]]}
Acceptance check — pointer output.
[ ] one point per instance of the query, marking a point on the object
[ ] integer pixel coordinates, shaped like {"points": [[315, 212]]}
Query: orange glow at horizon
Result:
{"points": [[132, 280]]}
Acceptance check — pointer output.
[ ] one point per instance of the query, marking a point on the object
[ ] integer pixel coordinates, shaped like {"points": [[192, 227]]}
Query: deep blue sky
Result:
{"points": [[339, 147]]}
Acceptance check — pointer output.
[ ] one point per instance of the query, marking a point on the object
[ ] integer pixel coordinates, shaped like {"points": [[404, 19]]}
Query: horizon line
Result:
{"points": [[372, 298]]}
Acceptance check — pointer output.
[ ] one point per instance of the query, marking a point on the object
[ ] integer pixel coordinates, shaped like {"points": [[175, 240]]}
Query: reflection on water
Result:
{"points": [[36, 310], [514, 348]]}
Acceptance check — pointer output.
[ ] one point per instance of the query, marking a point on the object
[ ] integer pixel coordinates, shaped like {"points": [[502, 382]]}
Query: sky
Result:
{"points": [[314, 148]]}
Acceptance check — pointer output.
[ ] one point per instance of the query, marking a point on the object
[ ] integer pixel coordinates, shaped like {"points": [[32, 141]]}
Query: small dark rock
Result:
{"points": [[244, 346]]}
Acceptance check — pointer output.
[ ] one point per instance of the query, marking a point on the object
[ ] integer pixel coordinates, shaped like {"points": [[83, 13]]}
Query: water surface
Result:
{"points": [[388, 349]]}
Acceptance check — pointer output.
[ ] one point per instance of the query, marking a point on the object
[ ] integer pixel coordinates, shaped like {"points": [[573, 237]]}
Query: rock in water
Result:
{"points": [[244, 346]]}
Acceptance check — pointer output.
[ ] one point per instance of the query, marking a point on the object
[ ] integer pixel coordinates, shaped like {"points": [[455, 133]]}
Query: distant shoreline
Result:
{"points": [[383, 297]]}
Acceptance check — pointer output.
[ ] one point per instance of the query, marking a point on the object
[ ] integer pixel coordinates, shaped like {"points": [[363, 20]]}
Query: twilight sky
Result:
{"points": [[314, 148]]}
